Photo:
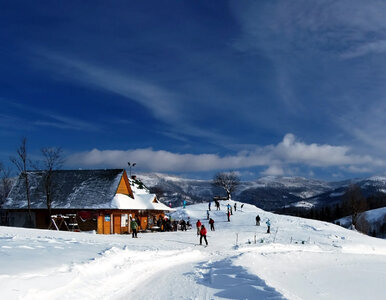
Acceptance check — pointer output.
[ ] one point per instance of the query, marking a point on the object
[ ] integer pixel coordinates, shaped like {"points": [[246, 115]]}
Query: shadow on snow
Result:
{"points": [[234, 282]]}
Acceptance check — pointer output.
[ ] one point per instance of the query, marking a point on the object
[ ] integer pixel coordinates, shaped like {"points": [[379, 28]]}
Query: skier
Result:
{"points": [[269, 226], [134, 226], [207, 214], [184, 203], [209, 204], [257, 220], [217, 205], [198, 225], [242, 205], [229, 216], [235, 206], [203, 235], [211, 222]]}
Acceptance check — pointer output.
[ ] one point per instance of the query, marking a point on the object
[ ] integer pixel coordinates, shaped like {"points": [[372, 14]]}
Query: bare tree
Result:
{"points": [[354, 203], [363, 225], [6, 182], [22, 162], [229, 181], [52, 160], [157, 190]]}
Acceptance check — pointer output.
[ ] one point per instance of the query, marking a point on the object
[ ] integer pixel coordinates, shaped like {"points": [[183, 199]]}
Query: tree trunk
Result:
{"points": [[28, 195]]}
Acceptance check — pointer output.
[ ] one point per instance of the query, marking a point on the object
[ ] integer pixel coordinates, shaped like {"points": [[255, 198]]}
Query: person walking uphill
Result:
{"points": [[198, 225], [203, 235], [134, 226], [211, 222]]}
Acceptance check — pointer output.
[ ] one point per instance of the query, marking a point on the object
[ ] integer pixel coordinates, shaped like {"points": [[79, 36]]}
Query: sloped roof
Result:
{"points": [[140, 202], [73, 189]]}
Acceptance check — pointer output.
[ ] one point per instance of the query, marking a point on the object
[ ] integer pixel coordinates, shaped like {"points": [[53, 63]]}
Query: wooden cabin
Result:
{"points": [[100, 200]]}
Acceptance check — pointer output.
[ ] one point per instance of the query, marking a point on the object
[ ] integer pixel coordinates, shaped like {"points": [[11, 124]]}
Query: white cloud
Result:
{"points": [[355, 169], [274, 171], [289, 151]]}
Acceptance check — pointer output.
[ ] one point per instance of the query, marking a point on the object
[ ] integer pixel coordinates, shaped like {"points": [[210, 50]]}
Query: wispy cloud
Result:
{"points": [[288, 152], [32, 117], [168, 106], [311, 46], [63, 122]]}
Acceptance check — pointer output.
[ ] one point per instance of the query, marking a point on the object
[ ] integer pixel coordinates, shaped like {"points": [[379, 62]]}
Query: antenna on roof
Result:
{"points": [[131, 165]]}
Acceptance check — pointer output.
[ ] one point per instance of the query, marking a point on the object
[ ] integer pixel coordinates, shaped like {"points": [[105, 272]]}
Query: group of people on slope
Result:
{"points": [[268, 222], [201, 230]]}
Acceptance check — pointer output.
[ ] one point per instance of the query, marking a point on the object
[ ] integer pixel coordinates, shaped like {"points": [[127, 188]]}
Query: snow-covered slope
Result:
{"points": [[374, 220], [300, 259], [370, 187], [270, 192]]}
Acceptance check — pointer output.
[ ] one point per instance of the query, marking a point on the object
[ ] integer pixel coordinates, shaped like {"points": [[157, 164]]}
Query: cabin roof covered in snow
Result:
{"points": [[79, 189], [140, 202]]}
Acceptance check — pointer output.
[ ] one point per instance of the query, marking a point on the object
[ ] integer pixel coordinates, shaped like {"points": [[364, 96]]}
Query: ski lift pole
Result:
{"points": [[274, 239]]}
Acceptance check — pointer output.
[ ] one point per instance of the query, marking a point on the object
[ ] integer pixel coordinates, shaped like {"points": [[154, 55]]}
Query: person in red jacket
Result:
{"points": [[198, 225], [203, 235]]}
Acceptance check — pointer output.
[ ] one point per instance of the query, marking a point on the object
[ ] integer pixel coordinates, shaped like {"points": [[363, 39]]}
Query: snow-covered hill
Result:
{"points": [[270, 193], [371, 186], [374, 219], [300, 259]]}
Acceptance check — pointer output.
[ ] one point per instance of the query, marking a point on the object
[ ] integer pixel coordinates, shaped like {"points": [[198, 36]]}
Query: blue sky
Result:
{"points": [[195, 87]]}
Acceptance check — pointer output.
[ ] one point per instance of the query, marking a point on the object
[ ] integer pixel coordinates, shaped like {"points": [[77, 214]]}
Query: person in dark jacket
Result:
{"points": [[257, 220], [211, 222], [183, 225], [134, 226], [203, 235], [217, 204]]}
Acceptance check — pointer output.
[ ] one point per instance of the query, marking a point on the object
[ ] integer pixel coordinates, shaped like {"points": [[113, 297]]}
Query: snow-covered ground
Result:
{"points": [[300, 259]]}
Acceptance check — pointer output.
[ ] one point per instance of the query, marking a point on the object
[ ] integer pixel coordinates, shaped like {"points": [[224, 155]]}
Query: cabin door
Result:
{"points": [[143, 223], [107, 224], [117, 224]]}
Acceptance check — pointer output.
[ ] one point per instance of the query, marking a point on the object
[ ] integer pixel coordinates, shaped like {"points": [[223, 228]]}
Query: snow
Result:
{"points": [[375, 215], [300, 259], [372, 216], [381, 179], [304, 204], [337, 194], [140, 201]]}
